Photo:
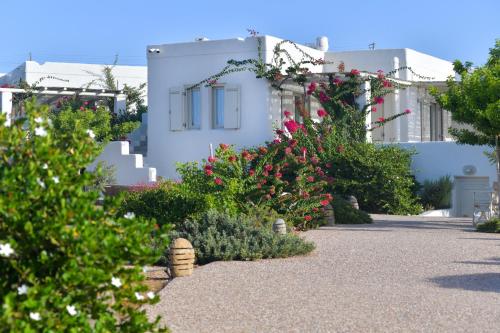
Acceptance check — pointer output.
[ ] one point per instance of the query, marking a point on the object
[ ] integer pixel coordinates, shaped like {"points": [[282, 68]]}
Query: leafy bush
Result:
{"points": [[379, 177], [436, 194], [66, 265], [492, 225], [218, 236], [166, 202], [346, 214]]}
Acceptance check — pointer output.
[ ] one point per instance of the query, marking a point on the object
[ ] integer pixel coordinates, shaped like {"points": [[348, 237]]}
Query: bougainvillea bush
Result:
{"points": [[66, 265]]}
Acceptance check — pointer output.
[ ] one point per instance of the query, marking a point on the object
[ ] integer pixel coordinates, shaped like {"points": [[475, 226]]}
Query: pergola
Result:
{"points": [[49, 95]]}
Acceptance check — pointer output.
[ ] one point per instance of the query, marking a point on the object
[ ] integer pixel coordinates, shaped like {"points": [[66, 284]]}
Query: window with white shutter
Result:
{"points": [[176, 109]]}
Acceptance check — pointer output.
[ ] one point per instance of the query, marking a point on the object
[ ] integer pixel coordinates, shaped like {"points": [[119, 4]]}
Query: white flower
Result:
{"points": [[71, 310], [40, 131], [145, 269], [6, 250], [39, 181], [91, 133], [35, 316], [55, 179], [22, 290], [151, 295], [116, 282], [45, 166], [38, 120], [139, 296], [129, 215]]}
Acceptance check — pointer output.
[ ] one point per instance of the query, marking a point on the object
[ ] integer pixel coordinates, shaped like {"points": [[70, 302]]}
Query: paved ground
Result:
{"points": [[400, 274]]}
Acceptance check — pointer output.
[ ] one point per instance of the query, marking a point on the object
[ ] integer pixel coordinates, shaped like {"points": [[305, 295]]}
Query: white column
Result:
{"points": [[362, 101], [396, 108], [6, 105], [120, 103]]}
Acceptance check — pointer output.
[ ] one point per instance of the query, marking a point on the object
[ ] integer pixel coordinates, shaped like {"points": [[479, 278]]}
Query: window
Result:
{"points": [[436, 122], [193, 98], [218, 107]]}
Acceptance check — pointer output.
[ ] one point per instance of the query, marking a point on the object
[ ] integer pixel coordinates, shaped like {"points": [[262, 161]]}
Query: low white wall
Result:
{"points": [[436, 159], [129, 168]]}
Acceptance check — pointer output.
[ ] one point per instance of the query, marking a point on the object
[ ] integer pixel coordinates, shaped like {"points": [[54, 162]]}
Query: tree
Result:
{"points": [[474, 100]]}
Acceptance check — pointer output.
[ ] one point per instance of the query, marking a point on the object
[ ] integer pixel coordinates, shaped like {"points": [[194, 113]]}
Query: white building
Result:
{"points": [[243, 110]]}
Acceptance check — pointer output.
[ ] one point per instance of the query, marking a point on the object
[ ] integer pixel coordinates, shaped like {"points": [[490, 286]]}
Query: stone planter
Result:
{"points": [[279, 227], [181, 258]]}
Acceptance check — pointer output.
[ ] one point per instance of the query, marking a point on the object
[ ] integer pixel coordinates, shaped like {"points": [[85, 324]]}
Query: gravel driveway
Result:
{"points": [[400, 274]]}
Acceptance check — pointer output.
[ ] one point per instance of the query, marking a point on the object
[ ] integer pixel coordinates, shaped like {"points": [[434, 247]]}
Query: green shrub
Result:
{"points": [[436, 194], [379, 177], [492, 225], [218, 236], [346, 214], [66, 264], [166, 202]]}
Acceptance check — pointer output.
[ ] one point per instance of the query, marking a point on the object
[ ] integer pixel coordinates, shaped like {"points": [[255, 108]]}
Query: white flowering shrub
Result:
{"points": [[66, 265]]}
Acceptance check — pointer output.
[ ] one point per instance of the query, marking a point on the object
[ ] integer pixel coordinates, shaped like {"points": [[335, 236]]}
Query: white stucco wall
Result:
{"points": [[185, 64]]}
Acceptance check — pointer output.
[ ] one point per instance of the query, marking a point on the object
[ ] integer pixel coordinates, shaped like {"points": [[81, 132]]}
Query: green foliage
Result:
{"points": [[346, 214], [475, 100], [66, 265], [378, 176], [436, 194], [218, 236], [492, 226], [166, 202]]}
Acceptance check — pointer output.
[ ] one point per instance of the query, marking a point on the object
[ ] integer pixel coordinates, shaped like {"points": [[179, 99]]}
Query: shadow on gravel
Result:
{"points": [[489, 282], [381, 225], [491, 261]]}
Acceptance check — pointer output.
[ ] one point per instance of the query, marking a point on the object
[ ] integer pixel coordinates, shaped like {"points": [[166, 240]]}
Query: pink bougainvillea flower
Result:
{"points": [[246, 155], [268, 167], [323, 98], [310, 179], [263, 150], [207, 167], [224, 146], [374, 109], [259, 186], [277, 140], [407, 111], [86, 103], [287, 114], [291, 125], [379, 100], [82, 108], [321, 113], [288, 150], [337, 81], [279, 132], [265, 173], [292, 143], [303, 150], [328, 165], [354, 72], [324, 202], [381, 119], [387, 84], [218, 181], [278, 175], [209, 172], [308, 218], [212, 159], [232, 158], [305, 195], [311, 88], [314, 160], [285, 165], [251, 172]]}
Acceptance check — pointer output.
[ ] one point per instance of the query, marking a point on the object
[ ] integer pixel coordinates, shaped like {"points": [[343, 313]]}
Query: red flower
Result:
{"points": [[292, 143], [86, 103], [310, 179], [218, 181], [268, 167], [277, 140], [305, 195], [279, 132], [246, 155], [209, 172], [321, 113], [337, 81], [264, 181], [291, 125], [82, 108], [278, 175], [407, 111], [265, 173], [374, 109], [262, 150], [303, 150], [212, 159], [340, 149], [324, 202], [287, 113], [308, 218], [251, 172], [387, 84], [259, 186], [354, 72], [379, 100], [207, 167], [311, 88], [288, 150], [381, 119], [224, 146], [315, 209], [328, 165], [232, 158], [323, 98]]}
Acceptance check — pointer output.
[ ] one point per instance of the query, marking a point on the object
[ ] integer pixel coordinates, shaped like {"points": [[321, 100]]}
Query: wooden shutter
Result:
{"points": [[176, 109], [232, 108]]}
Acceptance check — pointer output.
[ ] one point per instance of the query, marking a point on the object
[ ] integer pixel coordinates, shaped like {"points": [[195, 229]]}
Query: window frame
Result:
{"points": [[189, 108], [214, 107]]}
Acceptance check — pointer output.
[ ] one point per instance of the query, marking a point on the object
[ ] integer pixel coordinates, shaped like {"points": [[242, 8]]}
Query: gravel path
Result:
{"points": [[400, 274]]}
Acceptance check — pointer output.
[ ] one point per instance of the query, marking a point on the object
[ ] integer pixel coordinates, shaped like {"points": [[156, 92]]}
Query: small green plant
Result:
{"points": [[346, 214], [219, 236], [66, 264], [492, 226], [436, 194]]}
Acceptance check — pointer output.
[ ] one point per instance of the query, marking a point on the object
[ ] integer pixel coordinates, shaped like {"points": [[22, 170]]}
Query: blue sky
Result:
{"points": [[95, 30]]}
